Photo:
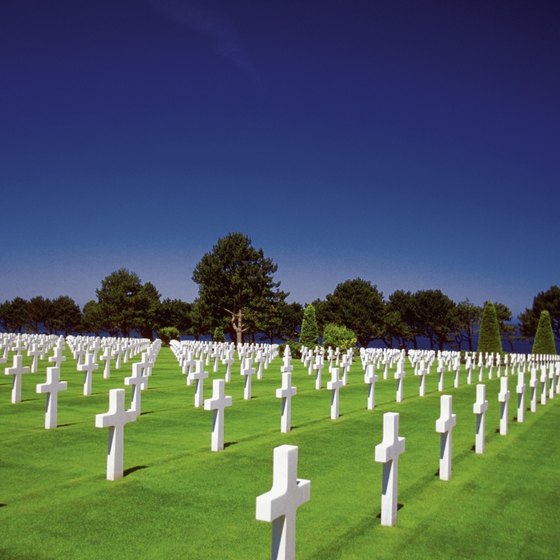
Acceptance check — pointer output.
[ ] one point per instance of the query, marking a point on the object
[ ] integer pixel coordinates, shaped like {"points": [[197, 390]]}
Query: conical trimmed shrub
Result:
{"points": [[309, 333], [489, 338], [544, 337]]}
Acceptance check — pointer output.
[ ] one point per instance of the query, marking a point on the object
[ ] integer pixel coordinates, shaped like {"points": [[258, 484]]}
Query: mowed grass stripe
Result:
{"points": [[181, 500]]}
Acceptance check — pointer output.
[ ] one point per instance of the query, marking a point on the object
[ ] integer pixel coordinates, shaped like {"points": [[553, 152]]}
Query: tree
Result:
{"points": [[358, 305], [544, 337], [548, 300], [17, 314], [65, 315], [338, 336], [126, 304], [489, 339], [400, 319], [92, 318], [467, 318], [236, 281], [504, 314], [281, 321], [309, 333], [147, 304], [201, 322], [436, 318], [167, 334], [38, 310], [175, 313]]}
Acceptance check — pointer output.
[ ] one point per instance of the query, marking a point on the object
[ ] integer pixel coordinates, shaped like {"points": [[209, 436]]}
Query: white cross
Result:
{"points": [[533, 384], [57, 358], [247, 371], [503, 398], [457, 367], [286, 392], [469, 367], [345, 367], [217, 404], [199, 375], [260, 359], [479, 409], [106, 356], [387, 452], [544, 380], [34, 351], [370, 378], [19, 345], [17, 370], [444, 426], [318, 366], [520, 389], [440, 371], [422, 372], [228, 361], [551, 385], [89, 366], [115, 419], [280, 504], [138, 381], [334, 386], [52, 387], [399, 376]]}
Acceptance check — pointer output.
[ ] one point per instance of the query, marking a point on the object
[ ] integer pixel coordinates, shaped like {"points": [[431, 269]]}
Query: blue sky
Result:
{"points": [[413, 144]]}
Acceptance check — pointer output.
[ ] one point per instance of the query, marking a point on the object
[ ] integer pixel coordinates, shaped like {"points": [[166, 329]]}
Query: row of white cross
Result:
{"points": [[280, 504]]}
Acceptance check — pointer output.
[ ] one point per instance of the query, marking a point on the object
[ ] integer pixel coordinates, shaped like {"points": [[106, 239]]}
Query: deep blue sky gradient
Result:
{"points": [[413, 144]]}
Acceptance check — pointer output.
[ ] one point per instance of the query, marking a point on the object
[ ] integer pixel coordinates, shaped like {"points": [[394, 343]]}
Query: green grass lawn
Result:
{"points": [[180, 500]]}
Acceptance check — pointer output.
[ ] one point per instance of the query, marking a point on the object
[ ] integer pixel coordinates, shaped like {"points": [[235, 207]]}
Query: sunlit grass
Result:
{"points": [[180, 500]]}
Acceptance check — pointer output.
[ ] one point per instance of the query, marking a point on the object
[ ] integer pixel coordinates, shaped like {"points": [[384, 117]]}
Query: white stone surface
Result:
{"points": [[334, 386], [533, 385], [138, 381], [370, 378], [115, 419], [444, 426], [88, 367], [247, 371], [286, 392], [544, 383], [199, 375], [388, 452], [52, 387], [399, 376], [217, 405], [520, 390], [479, 409], [503, 398], [280, 504], [17, 371], [422, 372]]}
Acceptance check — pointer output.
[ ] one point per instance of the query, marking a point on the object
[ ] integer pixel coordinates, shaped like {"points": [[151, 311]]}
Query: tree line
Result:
{"points": [[239, 297]]}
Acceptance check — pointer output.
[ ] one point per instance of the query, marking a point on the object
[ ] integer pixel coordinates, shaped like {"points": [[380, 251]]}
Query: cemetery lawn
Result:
{"points": [[180, 500]]}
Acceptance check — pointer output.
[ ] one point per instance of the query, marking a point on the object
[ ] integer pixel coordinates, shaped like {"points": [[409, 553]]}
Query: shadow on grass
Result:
{"points": [[28, 400], [66, 425], [229, 443], [399, 507], [131, 470], [147, 412], [3, 505]]}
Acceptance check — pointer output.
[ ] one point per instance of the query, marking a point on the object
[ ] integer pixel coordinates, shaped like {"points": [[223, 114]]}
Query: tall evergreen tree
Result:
{"points": [[489, 339], [544, 337], [309, 334]]}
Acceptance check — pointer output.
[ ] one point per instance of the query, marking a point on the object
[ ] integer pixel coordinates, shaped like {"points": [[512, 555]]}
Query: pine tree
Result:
{"points": [[544, 337], [309, 334], [489, 338]]}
